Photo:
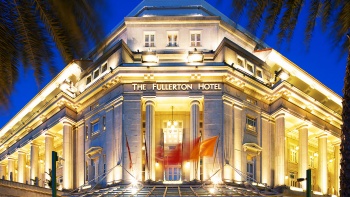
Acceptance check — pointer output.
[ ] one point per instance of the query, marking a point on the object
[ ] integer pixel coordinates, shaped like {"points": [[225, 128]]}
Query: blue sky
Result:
{"points": [[321, 60]]}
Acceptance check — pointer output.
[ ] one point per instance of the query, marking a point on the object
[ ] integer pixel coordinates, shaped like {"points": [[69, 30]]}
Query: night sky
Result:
{"points": [[321, 59]]}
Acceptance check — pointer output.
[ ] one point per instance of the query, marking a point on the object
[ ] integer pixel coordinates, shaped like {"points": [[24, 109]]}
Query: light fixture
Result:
{"points": [[157, 164], [149, 56], [283, 75], [195, 56], [172, 124]]}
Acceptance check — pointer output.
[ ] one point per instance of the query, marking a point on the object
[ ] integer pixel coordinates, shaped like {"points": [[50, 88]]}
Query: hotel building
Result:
{"points": [[170, 72]]}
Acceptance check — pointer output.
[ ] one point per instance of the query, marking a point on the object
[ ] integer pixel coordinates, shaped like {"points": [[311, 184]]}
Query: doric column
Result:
{"points": [[322, 163], [96, 163], [21, 168], [34, 162], [11, 169], [266, 151], [228, 139], [303, 154], [150, 140], [237, 142], [67, 155], [337, 167], [48, 155], [279, 150], [194, 129], [80, 155], [2, 171]]}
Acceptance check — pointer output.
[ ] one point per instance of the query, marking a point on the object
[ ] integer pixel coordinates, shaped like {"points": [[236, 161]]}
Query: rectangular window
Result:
{"points": [[96, 73], [195, 39], [88, 79], [104, 68], [293, 157], [250, 171], [94, 128], [86, 172], [86, 132], [149, 39], [259, 73], [250, 124], [172, 38], [250, 67], [104, 122], [240, 62], [312, 161]]}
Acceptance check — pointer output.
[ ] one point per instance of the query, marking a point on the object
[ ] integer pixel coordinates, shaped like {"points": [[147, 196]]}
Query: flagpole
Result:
{"points": [[217, 144]]}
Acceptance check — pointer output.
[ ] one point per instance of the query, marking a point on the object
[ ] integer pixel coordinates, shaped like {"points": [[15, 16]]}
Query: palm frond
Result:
{"points": [[313, 13], [326, 13], [238, 8], [273, 11], [255, 13]]}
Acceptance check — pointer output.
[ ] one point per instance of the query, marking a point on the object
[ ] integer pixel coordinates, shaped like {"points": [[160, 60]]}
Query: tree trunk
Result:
{"points": [[345, 135]]}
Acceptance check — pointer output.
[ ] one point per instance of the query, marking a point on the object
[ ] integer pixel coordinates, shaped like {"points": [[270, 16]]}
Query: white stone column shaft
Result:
{"points": [[194, 129], [228, 139], [150, 140], [11, 169], [322, 164], [34, 162], [21, 167], [266, 152], [48, 155], [303, 154], [237, 142], [67, 156], [110, 145], [337, 157], [279, 150], [80, 155]]}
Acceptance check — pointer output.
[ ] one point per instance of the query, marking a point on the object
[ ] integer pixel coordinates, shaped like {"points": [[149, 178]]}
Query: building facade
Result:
{"points": [[170, 72]]}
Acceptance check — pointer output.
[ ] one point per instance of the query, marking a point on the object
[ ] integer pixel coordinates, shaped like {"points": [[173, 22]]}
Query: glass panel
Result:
{"points": [[88, 80], [259, 73], [152, 38], [198, 37], [193, 37], [146, 38], [96, 74]]}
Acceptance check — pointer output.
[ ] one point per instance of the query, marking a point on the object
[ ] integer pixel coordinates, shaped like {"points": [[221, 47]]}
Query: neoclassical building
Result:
{"points": [[170, 72]]}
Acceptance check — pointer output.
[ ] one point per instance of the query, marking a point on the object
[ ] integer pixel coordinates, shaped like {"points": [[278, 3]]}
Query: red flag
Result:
{"points": [[174, 156], [207, 147], [127, 145], [159, 153], [196, 149]]}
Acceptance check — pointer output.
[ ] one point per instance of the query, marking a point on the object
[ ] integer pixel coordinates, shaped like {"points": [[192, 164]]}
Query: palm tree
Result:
{"points": [[31, 31], [334, 16]]}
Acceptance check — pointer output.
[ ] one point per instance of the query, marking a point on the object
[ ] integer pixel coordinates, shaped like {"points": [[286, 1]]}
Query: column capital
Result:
{"points": [[194, 102], [21, 152], [150, 102], [67, 121], [280, 115], [336, 143], [304, 126], [236, 106], [34, 144], [323, 135], [48, 134]]}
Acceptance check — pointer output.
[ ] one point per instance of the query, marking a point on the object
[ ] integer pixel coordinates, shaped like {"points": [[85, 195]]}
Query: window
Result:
{"points": [[250, 171], [312, 162], [195, 39], [172, 38], [104, 68], [104, 122], [88, 79], [94, 128], [86, 132], [293, 179], [251, 124], [250, 67], [96, 73], [149, 39], [259, 73], [240, 62], [293, 157]]}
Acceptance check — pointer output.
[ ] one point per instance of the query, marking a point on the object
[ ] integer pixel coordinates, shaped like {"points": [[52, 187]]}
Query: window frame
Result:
{"points": [[103, 65], [197, 43], [88, 81], [172, 41], [250, 127], [257, 69], [249, 64], [149, 43], [92, 129], [94, 73]]}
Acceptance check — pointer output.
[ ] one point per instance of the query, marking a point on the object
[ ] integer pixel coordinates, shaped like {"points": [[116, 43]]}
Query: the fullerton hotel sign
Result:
{"points": [[175, 86]]}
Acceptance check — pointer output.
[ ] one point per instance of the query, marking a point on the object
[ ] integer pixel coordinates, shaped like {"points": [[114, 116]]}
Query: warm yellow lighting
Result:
{"points": [[157, 164], [134, 181], [296, 189], [195, 56], [297, 148], [212, 190], [318, 193], [286, 177], [284, 76], [315, 154], [215, 180], [188, 164], [133, 190]]}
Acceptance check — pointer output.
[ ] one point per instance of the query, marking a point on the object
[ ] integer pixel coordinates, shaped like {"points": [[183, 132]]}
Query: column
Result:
{"points": [[194, 129], [237, 142], [67, 155], [303, 154], [150, 140], [48, 155], [279, 150], [266, 151], [11, 169], [2, 171], [34, 162], [228, 139], [337, 157], [322, 164], [80, 154], [96, 162], [21, 168]]}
